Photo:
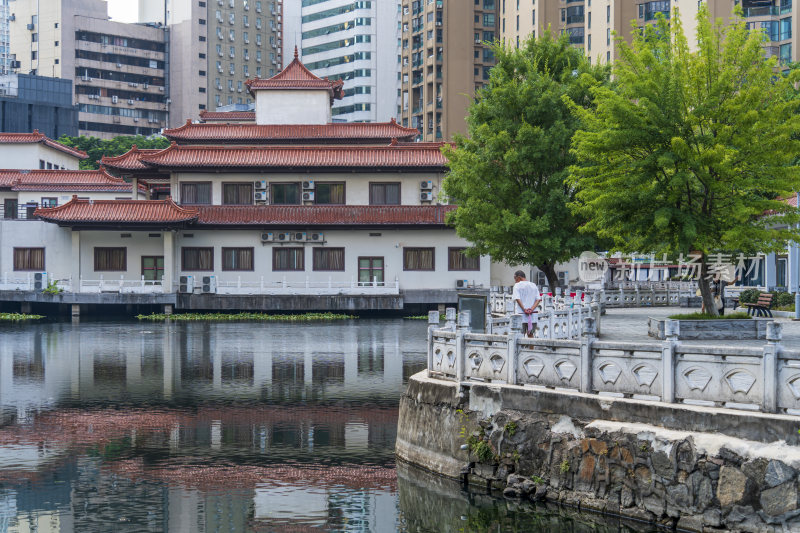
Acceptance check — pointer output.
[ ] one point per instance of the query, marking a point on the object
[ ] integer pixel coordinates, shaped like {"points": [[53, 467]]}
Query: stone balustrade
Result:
{"points": [[765, 378]]}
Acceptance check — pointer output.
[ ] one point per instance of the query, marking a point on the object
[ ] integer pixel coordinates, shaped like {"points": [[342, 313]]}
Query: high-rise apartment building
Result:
{"points": [[592, 25], [215, 46], [443, 59], [118, 70], [353, 41], [5, 52]]}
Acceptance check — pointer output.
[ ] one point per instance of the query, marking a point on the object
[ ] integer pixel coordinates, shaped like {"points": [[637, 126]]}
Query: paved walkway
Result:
{"points": [[631, 324]]}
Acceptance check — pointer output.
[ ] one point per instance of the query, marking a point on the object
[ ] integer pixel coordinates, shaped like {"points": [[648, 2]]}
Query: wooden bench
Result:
{"points": [[761, 307]]}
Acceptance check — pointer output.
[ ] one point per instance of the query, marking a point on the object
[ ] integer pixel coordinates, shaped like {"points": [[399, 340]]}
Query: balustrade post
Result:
{"points": [[569, 322], [512, 356], [461, 330], [433, 323], [587, 339], [551, 322], [671, 332], [450, 317], [142, 281], [770, 366]]}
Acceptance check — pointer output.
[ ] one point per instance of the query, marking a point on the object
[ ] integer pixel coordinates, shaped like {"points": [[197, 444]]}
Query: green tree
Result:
{"points": [[97, 148], [691, 147], [508, 175]]}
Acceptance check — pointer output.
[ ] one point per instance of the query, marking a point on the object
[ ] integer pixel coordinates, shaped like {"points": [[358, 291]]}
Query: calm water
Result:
{"points": [[130, 427]]}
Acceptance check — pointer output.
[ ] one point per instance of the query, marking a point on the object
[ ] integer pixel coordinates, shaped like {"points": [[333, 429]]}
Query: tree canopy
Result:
{"points": [[508, 175], [692, 147], [97, 148]]}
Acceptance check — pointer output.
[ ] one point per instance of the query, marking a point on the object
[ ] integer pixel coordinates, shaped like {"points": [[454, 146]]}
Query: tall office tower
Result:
{"points": [[348, 40], [593, 25], [118, 70], [215, 46], [5, 52], [444, 59]]}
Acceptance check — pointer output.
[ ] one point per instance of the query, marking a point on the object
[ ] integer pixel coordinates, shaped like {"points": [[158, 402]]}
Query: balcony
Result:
{"points": [[765, 11]]}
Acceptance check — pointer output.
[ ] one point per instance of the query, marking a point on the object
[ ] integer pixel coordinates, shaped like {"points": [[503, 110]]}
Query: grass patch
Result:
{"points": [[239, 317], [442, 317], [703, 316], [18, 317]]}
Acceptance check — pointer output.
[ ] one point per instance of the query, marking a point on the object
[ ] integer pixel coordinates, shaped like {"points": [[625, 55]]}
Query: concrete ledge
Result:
{"points": [[105, 298], [722, 329], [256, 302]]}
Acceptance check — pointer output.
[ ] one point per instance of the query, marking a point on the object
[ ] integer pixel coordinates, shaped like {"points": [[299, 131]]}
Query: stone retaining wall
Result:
{"points": [[733, 329], [548, 448]]}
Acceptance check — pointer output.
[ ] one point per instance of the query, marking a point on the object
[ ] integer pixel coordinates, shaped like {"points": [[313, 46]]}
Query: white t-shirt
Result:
{"points": [[527, 293]]}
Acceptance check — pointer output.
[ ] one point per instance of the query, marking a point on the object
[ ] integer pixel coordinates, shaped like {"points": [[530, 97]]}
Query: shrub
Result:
{"points": [[483, 451], [785, 299], [749, 296]]}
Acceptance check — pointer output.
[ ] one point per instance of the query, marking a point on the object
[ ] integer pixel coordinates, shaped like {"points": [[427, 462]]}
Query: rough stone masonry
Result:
{"points": [[693, 480]]}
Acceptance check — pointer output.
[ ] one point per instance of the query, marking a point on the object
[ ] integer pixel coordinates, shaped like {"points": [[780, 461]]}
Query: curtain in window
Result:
{"points": [[330, 193], [110, 259], [28, 258], [237, 193], [458, 260], [284, 193], [418, 259], [198, 258], [328, 258], [385, 193], [195, 193], [237, 259], [288, 259]]}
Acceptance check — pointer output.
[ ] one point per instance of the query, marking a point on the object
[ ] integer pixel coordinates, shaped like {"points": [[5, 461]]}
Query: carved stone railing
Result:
{"points": [[765, 378], [624, 297]]}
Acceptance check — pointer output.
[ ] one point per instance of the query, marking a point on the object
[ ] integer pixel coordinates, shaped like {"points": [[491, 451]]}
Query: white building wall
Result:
{"points": [[27, 156], [138, 244], [293, 107], [57, 242]]}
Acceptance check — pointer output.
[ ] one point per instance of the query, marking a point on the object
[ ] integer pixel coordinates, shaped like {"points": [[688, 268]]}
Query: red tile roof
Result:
{"points": [[296, 76], [792, 201], [76, 212], [62, 181], [130, 160], [412, 156], [36, 137], [329, 215], [117, 212], [230, 116], [344, 132]]}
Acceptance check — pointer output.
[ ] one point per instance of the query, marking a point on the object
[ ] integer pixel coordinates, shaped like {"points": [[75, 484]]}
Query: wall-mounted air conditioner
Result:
{"points": [[209, 285], [308, 185], [316, 237], [186, 284], [462, 283], [299, 236], [308, 196], [114, 99], [426, 196], [267, 237], [39, 281], [283, 237], [260, 196], [426, 185], [260, 184]]}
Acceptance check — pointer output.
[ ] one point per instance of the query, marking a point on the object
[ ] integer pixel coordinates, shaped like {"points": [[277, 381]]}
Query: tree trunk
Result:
{"points": [[550, 273], [705, 289]]}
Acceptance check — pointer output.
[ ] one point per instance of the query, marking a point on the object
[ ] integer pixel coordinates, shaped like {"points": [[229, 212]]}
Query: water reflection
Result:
{"points": [[208, 427]]}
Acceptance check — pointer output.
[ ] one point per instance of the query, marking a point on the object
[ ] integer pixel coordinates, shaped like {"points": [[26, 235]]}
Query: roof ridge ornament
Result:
{"points": [[295, 51]]}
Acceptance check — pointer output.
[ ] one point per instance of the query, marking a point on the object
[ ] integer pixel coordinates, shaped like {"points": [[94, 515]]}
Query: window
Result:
{"points": [[49, 165], [384, 194], [10, 208], [284, 193], [34, 37], [488, 19], [330, 259], [197, 258], [196, 193], [49, 201], [153, 267], [110, 259], [237, 193], [608, 13], [202, 22], [370, 270], [458, 260], [288, 259], [237, 259], [41, 163], [202, 38], [329, 193], [418, 259], [29, 259]]}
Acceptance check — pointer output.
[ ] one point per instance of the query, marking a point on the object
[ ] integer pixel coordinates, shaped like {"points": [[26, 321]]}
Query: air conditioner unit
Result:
{"points": [[261, 184], [267, 237], [462, 283], [299, 236], [130, 101], [161, 89], [426, 185], [308, 185], [119, 65], [209, 285], [146, 85], [186, 284], [114, 99], [316, 237], [283, 237], [39, 281], [308, 196], [426, 196], [30, 26], [136, 119], [260, 196]]}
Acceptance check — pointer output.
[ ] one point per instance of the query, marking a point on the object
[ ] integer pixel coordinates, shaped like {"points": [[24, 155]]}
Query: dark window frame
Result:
{"points": [[195, 183], [461, 249], [384, 183], [185, 249], [250, 199], [31, 269], [236, 249], [110, 249], [317, 249], [300, 268], [344, 192], [295, 183], [155, 269], [409, 249]]}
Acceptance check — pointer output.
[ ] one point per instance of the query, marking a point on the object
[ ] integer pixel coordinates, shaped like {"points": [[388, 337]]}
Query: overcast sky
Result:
{"points": [[123, 10]]}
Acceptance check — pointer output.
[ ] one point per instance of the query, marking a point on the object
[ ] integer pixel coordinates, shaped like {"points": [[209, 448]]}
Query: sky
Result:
{"points": [[123, 10]]}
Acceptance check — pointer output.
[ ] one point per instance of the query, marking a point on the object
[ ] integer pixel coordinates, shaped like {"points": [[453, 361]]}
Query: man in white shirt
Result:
{"points": [[526, 299]]}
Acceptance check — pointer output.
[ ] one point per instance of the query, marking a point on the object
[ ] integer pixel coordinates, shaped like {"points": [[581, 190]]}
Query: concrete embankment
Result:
{"points": [[695, 468]]}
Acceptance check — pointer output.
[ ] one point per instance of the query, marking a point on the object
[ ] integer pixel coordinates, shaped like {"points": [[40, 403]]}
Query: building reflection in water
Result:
{"points": [[202, 427]]}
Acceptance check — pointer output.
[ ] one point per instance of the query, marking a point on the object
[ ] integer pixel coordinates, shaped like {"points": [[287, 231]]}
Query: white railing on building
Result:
{"points": [[765, 378], [307, 287]]}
